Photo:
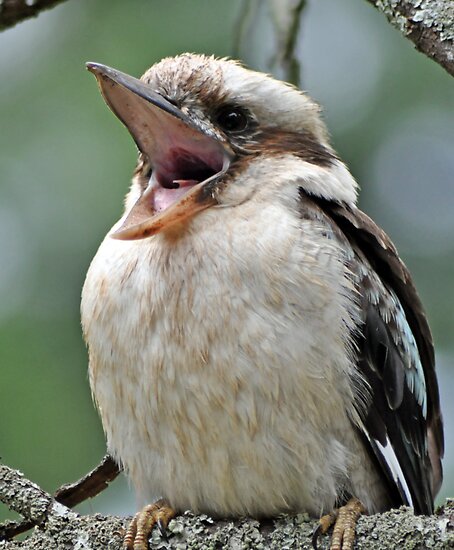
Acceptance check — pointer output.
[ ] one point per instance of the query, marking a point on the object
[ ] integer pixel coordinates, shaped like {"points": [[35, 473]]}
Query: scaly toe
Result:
{"points": [[344, 520], [324, 524], [142, 524]]}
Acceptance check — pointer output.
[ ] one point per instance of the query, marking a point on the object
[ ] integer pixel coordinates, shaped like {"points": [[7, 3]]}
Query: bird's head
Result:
{"points": [[212, 133]]}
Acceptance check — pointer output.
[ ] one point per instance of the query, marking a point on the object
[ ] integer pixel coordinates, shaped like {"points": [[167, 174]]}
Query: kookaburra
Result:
{"points": [[256, 344]]}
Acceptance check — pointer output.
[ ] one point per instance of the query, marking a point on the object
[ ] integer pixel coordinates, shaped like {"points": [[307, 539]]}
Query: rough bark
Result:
{"points": [[15, 11], [429, 24], [59, 527]]}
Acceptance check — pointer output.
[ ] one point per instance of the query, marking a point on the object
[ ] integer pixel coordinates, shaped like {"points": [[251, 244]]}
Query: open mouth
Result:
{"points": [[187, 163], [173, 176]]}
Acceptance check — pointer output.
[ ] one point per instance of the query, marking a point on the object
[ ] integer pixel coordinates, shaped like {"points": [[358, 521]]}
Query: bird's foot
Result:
{"points": [[142, 524], [344, 520]]}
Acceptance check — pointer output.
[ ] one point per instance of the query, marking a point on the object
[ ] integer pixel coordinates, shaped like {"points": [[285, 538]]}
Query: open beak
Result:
{"points": [[186, 163]]}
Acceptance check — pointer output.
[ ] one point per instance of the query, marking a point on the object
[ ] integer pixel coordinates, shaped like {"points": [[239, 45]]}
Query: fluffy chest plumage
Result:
{"points": [[212, 357]]}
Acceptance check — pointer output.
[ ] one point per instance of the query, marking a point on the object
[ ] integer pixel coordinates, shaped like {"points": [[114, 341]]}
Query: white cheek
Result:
{"points": [[278, 179]]}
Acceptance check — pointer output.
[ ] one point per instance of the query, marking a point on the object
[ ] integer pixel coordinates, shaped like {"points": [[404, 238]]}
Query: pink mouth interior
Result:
{"points": [[179, 172]]}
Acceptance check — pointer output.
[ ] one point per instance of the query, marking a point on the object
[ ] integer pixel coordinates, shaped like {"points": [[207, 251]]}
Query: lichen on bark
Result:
{"points": [[429, 24], [59, 527]]}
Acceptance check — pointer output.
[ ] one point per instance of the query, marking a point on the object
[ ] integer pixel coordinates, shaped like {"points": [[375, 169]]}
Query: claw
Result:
{"points": [[315, 536], [324, 524], [344, 520], [142, 524], [162, 529]]}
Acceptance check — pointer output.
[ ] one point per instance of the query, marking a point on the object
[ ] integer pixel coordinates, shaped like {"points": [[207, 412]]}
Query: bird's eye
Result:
{"points": [[232, 119]]}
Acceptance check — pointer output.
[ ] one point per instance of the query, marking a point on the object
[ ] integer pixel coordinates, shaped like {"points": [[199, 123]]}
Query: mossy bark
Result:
{"points": [[429, 24], [60, 528]]}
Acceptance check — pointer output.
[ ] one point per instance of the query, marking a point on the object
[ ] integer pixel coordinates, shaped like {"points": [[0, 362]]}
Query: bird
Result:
{"points": [[256, 344]]}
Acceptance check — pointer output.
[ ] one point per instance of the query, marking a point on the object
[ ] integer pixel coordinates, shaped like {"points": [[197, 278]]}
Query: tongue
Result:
{"points": [[163, 197]]}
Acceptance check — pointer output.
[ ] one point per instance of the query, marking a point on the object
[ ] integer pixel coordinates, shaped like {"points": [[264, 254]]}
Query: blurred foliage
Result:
{"points": [[65, 163]]}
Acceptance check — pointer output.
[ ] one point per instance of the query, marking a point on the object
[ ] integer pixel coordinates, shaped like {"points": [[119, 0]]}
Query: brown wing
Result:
{"points": [[396, 357]]}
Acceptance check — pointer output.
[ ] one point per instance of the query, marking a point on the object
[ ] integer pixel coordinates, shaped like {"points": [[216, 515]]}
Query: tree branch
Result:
{"points": [[15, 11], [286, 20], [59, 527], [429, 24], [90, 485], [285, 17], [14, 490]]}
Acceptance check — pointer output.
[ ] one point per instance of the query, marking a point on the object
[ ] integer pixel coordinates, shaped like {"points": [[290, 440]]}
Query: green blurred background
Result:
{"points": [[65, 164]]}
